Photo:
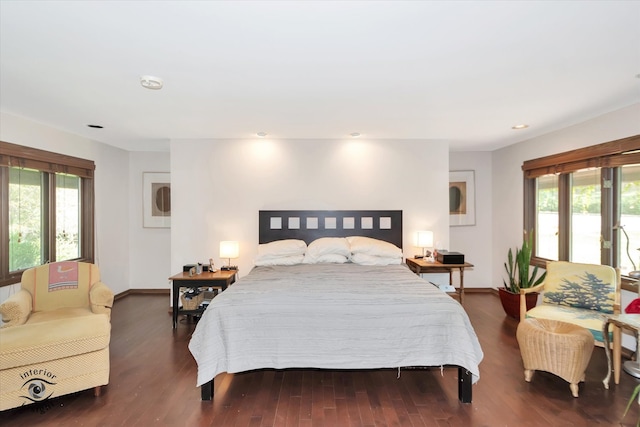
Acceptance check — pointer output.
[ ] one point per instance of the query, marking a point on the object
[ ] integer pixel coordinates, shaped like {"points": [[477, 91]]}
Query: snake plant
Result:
{"points": [[518, 267]]}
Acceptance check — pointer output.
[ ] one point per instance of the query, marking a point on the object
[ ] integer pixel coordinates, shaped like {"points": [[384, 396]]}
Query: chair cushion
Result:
{"points": [[588, 319], [53, 338], [586, 286]]}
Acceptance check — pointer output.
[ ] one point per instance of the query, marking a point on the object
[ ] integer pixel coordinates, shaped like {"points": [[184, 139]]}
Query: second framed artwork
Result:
{"points": [[462, 198]]}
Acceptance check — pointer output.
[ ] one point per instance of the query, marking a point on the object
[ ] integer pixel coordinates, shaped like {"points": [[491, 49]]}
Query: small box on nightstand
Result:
{"points": [[445, 257]]}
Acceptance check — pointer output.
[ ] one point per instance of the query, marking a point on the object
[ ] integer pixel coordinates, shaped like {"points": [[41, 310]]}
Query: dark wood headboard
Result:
{"points": [[310, 225]]}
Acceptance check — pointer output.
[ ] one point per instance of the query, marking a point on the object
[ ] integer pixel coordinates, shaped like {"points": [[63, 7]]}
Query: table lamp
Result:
{"points": [[424, 240], [229, 249]]}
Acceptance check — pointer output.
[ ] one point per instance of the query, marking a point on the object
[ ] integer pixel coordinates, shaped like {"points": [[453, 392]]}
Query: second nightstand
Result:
{"points": [[420, 266]]}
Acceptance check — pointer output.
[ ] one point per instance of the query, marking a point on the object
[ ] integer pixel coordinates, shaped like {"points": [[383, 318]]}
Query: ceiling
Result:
{"points": [[458, 72]]}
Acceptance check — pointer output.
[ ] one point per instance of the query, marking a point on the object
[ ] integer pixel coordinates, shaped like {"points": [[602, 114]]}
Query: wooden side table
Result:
{"points": [[419, 266], [220, 279], [622, 320]]}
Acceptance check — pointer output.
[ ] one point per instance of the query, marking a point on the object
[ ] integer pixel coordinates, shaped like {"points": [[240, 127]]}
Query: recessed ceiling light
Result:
{"points": [[516, 127], [261, 134], [151, 82], [95, 126], [354, 134]]}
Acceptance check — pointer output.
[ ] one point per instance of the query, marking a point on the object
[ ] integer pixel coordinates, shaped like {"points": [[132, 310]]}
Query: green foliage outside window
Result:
{"points": [[25, 219], [630, 199]]}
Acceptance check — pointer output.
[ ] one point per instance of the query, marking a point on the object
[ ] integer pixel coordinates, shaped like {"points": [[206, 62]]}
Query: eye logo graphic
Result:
{"points": [[37, 389]]}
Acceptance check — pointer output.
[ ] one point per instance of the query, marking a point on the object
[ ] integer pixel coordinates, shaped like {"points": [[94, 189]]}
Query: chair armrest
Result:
{"points": [[536, 288], [523, 300], [101, 298], [16, 309]]}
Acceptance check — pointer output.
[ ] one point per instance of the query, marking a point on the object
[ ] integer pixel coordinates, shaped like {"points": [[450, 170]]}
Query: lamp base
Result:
{"points": [[632, 368], [228, 267], [635, 274]]}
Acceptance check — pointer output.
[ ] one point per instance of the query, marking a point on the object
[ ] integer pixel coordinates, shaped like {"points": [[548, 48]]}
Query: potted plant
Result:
{"points": [[518, 269]]}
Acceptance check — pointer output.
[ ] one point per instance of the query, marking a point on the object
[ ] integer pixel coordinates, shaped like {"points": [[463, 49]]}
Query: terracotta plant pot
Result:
{"points": [[511, 302]]}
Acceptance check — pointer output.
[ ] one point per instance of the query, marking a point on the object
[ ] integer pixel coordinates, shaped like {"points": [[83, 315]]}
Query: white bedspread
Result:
{"points": [[332, 316]]}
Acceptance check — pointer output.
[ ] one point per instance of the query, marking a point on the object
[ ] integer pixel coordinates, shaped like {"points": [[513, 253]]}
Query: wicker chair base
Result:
{"points": [[557, 347]]}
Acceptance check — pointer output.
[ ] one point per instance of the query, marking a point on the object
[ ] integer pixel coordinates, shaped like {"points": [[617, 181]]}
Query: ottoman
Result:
{"points": [[557, 347]]}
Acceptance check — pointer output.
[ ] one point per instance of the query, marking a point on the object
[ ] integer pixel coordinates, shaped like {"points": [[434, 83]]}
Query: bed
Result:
{"points": [[362, 314]]}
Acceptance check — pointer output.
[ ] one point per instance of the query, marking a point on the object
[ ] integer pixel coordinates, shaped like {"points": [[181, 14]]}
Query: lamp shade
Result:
{"points": [[229, 249], [424, 239]]}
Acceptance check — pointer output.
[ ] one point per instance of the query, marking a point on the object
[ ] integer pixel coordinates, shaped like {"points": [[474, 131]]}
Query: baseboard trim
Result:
{"points": [[479, 290], [142, 292]]}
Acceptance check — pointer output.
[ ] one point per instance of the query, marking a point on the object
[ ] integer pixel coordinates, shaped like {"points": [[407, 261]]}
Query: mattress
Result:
{"points": [[332, 316]]}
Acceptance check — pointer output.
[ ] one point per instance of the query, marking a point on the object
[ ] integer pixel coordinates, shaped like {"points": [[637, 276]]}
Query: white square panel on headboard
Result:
{"points": [[294, 223], [275, 223], [366, 223], [348, 223], [330, 223], [385, 223], [312, 223]]}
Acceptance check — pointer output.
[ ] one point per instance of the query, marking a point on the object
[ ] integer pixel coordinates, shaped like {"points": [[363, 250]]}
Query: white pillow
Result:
{"points": [[284, 260], [366, 259], [281, 248], [329, 245], [375, 247], [325, 259]]}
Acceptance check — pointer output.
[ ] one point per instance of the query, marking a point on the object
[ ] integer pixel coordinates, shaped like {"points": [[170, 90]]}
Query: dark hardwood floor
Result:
{"points": [[153, 383]]}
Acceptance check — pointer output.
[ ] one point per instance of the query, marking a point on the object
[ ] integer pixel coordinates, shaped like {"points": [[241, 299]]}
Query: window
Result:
{"points": [[629, 224], [586, 217], [584, 205], [46, 210], [547, 216], [26, 218], [68, 214]]}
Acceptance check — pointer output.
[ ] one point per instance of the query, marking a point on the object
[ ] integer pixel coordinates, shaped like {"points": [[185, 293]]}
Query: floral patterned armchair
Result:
{"points": [[580, 294]]}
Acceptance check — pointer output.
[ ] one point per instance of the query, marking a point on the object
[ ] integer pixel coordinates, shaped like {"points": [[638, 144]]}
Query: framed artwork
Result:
{"points": [[156, 199], [462, 198]]}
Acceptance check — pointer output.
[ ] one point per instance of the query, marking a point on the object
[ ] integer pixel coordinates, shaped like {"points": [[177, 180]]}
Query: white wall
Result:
{"points": [[218, 187], [474, 241], [150, 248], [111, 191]]}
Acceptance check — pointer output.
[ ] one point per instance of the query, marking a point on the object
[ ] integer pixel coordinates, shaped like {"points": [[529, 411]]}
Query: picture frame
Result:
{"points": [[156, 199], [462, 198]]}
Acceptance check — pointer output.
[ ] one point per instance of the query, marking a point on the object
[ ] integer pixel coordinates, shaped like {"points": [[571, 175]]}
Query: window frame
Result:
{"points": [[608, 157], [14, 155]]}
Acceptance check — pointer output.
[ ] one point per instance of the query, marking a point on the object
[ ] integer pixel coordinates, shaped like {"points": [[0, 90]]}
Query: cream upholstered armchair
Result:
{"points": [[55, 336], [580, 294]]}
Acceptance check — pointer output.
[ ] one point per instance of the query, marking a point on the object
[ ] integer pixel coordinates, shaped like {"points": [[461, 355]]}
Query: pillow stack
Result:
{"points": [[281, 252], [368, 251], [329, 250]]}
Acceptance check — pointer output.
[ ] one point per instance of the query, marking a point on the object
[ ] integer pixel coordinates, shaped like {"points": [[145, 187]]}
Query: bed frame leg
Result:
{"points": [[464, 385], [206, 390]]}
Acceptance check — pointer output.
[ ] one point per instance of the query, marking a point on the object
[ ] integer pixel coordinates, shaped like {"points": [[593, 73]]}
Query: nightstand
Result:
{"points": [[420, 265], [219, 280]]}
